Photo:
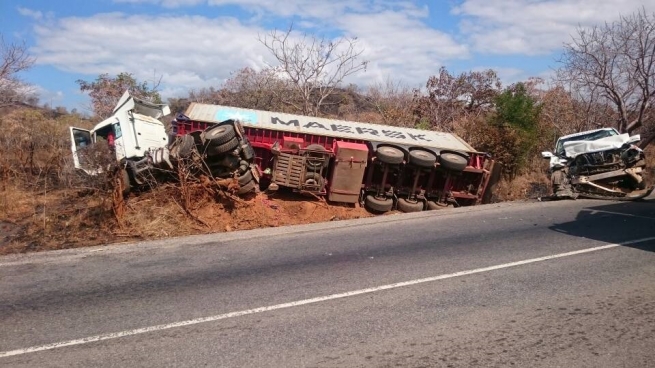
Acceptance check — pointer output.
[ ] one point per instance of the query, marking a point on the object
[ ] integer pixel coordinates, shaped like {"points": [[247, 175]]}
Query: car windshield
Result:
{"points": [[585, 137]]}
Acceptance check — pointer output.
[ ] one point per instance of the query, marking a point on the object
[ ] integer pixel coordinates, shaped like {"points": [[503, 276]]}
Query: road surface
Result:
{"points": [[553, 284]]}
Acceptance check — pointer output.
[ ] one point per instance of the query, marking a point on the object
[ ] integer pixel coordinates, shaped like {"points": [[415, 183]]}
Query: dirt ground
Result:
{"points": [[70, 219], [63, 219]]}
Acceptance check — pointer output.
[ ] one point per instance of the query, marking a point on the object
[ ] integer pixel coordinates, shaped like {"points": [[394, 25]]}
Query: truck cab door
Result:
{"points": [[80, 140], [119, 142]]}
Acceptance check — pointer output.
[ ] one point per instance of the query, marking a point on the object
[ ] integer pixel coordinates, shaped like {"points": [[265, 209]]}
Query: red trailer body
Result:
{"points": [[381, 166]]}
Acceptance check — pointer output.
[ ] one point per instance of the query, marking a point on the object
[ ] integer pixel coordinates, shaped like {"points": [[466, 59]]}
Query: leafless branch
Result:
{"points": [[314, 66], [615, 62], [13, 60]]}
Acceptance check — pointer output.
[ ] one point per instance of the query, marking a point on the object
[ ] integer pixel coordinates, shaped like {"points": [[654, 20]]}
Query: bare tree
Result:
{"points": [[451, 99], [315, 66], [105, 91], [567, 110], [394, 102], [616, 62], [14, 59], [261, 90]]}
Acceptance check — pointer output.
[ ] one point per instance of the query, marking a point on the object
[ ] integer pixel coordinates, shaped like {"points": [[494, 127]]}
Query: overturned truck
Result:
{"points": [[382, 167], [599, 164]]}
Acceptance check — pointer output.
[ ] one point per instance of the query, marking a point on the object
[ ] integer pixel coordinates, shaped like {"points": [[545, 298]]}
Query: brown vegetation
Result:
{"points": [[45, 204], [607, 78]]}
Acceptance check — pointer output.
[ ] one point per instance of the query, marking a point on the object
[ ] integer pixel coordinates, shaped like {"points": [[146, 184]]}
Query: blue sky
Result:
{"points": [[193, 44]]}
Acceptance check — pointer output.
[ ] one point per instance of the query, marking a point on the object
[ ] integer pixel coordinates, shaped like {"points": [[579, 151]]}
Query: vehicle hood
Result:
{"points": [[575, 148]]}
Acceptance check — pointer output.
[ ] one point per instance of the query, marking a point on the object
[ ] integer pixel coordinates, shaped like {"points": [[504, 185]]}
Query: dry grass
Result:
{"points": [[45, 204], [65, 219]]}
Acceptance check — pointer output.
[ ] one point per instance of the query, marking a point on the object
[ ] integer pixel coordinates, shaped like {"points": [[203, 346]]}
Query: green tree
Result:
{"points": [[516, 108], [105, 92], [516, 116]]}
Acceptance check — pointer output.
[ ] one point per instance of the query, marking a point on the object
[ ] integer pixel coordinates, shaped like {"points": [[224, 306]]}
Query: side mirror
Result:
{"points": [[546, 154]]}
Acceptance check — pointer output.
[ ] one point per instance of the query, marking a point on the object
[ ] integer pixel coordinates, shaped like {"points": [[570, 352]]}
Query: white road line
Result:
{"points": [[319, 299]]}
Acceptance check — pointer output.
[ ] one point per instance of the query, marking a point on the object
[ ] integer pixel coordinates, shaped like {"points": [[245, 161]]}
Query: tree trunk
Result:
{"points": [[647, 140]]}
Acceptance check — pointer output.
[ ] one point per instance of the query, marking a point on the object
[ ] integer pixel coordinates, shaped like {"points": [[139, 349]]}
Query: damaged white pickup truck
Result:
{"points": [[600, 164]]}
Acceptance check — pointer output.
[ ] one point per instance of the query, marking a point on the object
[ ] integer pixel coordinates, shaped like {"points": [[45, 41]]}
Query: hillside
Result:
{"points": [[45, 204]]}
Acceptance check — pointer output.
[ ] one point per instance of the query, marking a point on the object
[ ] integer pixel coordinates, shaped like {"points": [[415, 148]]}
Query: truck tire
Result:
{"points": [[125, 182], [313, 162], [407, 206], [223, 148], [186, 146], [247, 188], [219, 135], [432, 205], [453, 161], [390, 155], [422, 158], [245, 178], [378, 205], [314, 179], [171, 139]]}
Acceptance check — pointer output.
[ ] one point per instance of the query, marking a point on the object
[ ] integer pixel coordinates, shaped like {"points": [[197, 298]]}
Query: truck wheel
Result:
{"points": [[407, 206], [390, 155], [186, 146], [218, 135], [171, 139], [125, 182], [453, 161], [378, 205], [249, 187], [432, 205], [223, 148], [314, 179], [316, 160], [245, 178], [422, 158]]}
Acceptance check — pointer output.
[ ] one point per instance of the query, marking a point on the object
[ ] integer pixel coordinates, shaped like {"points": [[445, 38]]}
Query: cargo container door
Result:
{"points": [[348, 173]]}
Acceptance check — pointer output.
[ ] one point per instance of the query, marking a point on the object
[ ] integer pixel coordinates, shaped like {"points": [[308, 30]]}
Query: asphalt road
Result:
{"points": [[554, 284]]}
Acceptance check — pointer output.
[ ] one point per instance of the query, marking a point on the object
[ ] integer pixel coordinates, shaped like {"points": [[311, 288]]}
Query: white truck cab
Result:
{"points": [[132, 130]]}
